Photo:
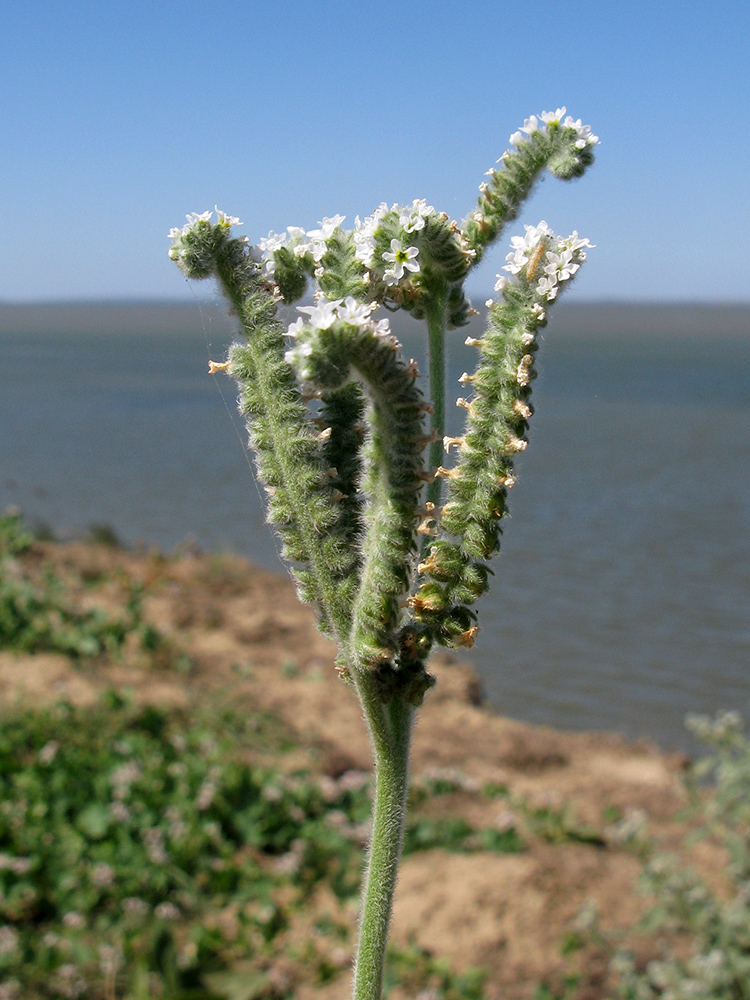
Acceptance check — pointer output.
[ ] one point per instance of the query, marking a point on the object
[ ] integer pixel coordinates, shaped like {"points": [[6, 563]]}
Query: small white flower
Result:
{"points": [[354, 313], [517, 260], [547, 287], [575, 243], [532, 124], [501, 282], [400, 259], [382, 328], [523, 246], [226, 220], [553, 117], [327, 228], [194, 217], [412, 218], [296, 328], [561, 265], [322, 315], [320, 236], [516, 139], [271, 243], [585, 136]]}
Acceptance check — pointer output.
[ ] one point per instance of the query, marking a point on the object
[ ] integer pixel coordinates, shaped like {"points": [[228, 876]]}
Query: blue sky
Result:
{"points": [[121, 117]]}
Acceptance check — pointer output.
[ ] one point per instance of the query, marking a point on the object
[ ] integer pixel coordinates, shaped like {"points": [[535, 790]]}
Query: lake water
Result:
{"points": [[621, 595]]}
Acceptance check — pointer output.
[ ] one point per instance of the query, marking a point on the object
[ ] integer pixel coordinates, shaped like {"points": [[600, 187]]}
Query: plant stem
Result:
{"points": [[435, 315], [390, 730]]}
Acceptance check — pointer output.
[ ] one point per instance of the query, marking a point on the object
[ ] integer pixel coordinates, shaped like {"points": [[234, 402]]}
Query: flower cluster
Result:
{"points": [[324, 314], [411, 218], [554, 120], [195, 219], [554, 258], [300, 242]]}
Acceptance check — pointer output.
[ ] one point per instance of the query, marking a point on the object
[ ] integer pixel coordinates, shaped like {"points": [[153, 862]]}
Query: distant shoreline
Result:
{"points": [[585, 319]]}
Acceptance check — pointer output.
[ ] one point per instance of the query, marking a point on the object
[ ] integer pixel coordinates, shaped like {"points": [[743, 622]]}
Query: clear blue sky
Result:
{"points": [[121, 117]]}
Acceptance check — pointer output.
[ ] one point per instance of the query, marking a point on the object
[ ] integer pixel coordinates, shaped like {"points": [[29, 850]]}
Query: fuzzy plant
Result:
{"points": [[390, 539]]}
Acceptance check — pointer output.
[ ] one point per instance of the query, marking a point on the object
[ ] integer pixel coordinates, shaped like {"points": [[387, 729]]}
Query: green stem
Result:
{"points": [[390, 730], [436, 322]]}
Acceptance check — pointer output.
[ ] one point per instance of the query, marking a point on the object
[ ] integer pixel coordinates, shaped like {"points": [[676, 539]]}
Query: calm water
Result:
{"points": [[621, 596]]}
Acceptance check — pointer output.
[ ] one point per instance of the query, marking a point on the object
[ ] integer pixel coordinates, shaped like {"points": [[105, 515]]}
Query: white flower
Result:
{"points": [[226, 220], [574, 243], [524, 245], [553, 117], [271, 243], [194, 217], [585, 136], [413, 217], [516, 261], [532, 236], [530, 126], [501, 282], [320, 236], [547, 287], [327, 228], [382, 328], [364, 234], [400, 260], [353, 313], [561, 265], [268, 247], [296, 328], [323, 314]]}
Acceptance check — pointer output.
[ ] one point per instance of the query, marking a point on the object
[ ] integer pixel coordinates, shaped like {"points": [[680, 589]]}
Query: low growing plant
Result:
{"points": [[152, 853], [38, 615], [716, 966], [393, 551]]}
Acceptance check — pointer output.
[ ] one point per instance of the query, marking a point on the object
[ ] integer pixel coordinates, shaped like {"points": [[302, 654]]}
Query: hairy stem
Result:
{"points": [[390, 731]]}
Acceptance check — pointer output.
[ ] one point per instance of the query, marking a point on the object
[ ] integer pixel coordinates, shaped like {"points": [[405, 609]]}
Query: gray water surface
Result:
{"points": [[621, 595]]}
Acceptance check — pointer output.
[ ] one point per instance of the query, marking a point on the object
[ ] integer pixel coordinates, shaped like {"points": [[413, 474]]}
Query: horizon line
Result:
{"points": [[210, 299]]}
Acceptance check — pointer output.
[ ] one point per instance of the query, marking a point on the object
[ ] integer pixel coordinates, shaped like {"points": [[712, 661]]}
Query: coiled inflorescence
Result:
{"points": [[336, 418]]}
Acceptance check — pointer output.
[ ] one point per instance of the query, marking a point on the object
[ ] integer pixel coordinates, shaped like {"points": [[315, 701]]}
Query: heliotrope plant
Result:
{"points": [[390, 544]]}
